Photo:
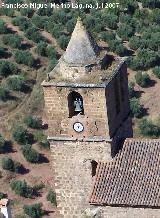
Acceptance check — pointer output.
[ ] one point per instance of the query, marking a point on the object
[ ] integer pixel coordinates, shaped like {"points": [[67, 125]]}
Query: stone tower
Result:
{"points": [[87, 112]]}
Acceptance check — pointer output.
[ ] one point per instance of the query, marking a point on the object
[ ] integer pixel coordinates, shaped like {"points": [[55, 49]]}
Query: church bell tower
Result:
{"points": [[87, 112]]}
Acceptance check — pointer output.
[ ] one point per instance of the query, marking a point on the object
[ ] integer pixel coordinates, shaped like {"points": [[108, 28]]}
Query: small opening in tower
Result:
{"points": [[94, 167], [75, 104]]}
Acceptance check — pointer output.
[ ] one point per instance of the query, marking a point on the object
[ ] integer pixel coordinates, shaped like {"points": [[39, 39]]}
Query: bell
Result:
{"points": [[78, 105]]}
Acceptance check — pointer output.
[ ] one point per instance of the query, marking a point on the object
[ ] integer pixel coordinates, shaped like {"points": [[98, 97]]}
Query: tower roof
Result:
{"points": [[81, 49], [84, 61]]}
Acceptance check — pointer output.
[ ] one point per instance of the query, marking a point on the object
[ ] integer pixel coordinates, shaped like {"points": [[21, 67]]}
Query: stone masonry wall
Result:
{"points": [[57, 113], [128, 212], [114, 119], [71, 162], [124, 131]]}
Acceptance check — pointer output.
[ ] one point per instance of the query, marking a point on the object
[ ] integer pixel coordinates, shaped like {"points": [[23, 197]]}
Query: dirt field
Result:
{"points": [[149, 97], [34, 174]]}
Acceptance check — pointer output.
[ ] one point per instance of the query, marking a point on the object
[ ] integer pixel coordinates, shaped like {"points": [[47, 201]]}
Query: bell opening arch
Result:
{"points": [[75, 104]]}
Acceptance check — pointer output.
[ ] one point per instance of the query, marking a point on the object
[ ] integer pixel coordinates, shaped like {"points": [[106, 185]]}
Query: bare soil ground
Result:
{"points": [[35, 173], [149, 97]]}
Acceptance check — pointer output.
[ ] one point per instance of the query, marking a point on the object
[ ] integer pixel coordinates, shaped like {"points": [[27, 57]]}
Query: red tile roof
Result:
{"points": [[132, 178]]}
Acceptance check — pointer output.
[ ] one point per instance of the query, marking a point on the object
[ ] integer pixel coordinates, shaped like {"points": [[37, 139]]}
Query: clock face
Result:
{"points": [[78, 127]]}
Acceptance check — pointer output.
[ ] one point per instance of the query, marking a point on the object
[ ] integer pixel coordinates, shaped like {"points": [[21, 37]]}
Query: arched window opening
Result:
{"points": [[75, 104], [94, 167]]}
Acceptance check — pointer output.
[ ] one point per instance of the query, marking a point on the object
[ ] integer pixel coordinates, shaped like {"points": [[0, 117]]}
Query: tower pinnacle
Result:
{"points": [[81, 49]]}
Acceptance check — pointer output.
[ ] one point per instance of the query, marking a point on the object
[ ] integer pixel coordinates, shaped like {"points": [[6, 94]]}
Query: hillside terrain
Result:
{"points": [[31, 42]]}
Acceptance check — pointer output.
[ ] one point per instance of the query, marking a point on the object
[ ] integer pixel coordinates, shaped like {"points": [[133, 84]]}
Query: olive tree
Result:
{"points": [[15, 82]]}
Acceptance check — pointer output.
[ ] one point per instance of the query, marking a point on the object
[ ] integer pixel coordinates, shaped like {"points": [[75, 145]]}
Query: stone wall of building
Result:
{"points": [[57, 112], [118, 87], [120, 212], [124, 131], [73, 170], [128, 212]]}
